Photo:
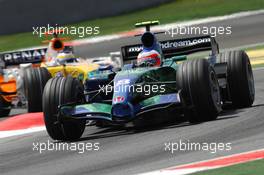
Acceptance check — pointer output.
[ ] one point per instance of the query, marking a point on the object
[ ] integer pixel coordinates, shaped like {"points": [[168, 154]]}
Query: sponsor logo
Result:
{"points": [[123, 82], [135, 49], [27, 56], [173, 44], [176, 44], [119, 99]]}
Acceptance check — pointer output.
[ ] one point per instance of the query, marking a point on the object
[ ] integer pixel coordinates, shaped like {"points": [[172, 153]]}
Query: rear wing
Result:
{"points": [[175, 47], [16, 58]]}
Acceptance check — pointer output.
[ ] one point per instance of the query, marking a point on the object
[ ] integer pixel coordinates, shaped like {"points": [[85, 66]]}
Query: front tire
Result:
{"points": [[35, 80], [5, 107], [58, 91], [199, 90]]}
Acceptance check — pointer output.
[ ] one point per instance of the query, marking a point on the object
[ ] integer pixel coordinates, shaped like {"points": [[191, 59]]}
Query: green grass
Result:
{"points": [[177, 10], [255, 48], [205, 54], [251, 168], [258, 65]]}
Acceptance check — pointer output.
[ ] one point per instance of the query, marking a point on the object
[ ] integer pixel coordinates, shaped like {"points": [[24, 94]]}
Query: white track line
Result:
{"points": [[4, 134], [104, 38], [209, 19], [169, 26], [178, 170]]}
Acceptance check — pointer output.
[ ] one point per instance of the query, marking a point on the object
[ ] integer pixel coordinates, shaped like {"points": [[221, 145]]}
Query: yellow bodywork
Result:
{"points": [[75, 69], [79, 70]]}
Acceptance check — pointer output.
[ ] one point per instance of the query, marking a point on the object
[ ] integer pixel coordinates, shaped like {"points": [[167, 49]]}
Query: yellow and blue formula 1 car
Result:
{"points": [[57, 60]]}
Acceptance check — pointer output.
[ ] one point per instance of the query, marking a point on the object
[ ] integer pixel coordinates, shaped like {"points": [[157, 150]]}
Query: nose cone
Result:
{"points": [[122, 112], [122, 108]]}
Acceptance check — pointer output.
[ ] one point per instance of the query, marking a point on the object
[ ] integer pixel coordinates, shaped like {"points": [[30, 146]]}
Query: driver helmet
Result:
{"points": [[66, 57], [149, 58]]}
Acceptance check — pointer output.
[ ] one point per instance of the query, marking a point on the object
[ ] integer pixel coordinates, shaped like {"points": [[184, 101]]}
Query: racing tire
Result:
{"points": [[199, 90], [5, 107], [240, 78], [58, 91], [35, 80]]}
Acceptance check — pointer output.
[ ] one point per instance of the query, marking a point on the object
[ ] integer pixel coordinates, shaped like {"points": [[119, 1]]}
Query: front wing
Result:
{"points": [[102, 111]]}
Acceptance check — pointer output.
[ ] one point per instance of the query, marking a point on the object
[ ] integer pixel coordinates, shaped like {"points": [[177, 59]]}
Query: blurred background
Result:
{"points": [[18, 17]]}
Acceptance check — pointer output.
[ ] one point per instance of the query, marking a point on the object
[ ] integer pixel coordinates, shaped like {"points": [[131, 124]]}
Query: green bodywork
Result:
{"points": [[94, 107], [164, 75]]}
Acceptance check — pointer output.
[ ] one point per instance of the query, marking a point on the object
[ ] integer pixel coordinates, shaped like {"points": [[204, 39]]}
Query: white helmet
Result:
{"points": [[149, 58], [65, 57]]}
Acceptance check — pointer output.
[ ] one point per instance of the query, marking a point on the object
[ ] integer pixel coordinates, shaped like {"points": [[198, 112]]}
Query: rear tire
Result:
{"points": [[62, 90], [35, 80], [5, 107], [199, 90], [239, 78]]}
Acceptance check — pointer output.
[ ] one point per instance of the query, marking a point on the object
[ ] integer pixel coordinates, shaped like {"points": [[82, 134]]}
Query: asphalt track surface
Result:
{"points": [[129, 151]]}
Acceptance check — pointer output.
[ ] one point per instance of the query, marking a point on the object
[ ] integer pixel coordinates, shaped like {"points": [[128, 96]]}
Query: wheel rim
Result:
{"points": [[250, 78], [215, 90]]}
